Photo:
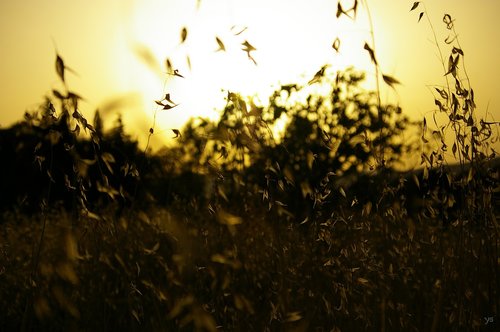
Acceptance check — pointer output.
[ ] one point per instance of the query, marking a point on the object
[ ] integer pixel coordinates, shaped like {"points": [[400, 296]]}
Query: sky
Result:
{"points": [[118, 50]]}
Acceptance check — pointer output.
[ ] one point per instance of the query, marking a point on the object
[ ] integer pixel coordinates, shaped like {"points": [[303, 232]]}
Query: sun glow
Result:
{"points": [[292, 40]]}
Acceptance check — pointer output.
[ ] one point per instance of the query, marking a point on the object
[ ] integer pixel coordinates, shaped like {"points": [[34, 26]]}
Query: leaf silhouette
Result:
{"points": [[167, 98], [448, 21], [450, 39], [443, 93], [415, 5], [77, 130], [184, 33], [169, 66], [60, 67], [247, 47], [221, 45], [370, 51], [177, 133], [188, 60], [424, 131], [319, 74], [336, 44], [167, 107], [452, 65], [176, 73], [457, 50], [389, 80], [74, 96], [420, 16], [354, 8], [241, 30], [58, 95], [341, 11]]}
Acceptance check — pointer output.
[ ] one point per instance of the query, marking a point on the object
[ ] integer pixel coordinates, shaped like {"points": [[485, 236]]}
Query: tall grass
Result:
{"points": [[474, 239]]}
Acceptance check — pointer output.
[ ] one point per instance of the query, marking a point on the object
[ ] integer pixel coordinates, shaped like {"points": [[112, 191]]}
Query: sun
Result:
{"points": [[249, 47]]}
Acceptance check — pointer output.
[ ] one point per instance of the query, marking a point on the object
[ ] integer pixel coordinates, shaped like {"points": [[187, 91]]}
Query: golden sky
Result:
{"points": [[102, 41]]}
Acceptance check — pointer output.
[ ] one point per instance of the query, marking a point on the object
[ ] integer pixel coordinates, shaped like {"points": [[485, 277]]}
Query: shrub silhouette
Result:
{"points": [[44, 151], [335, 135]]}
